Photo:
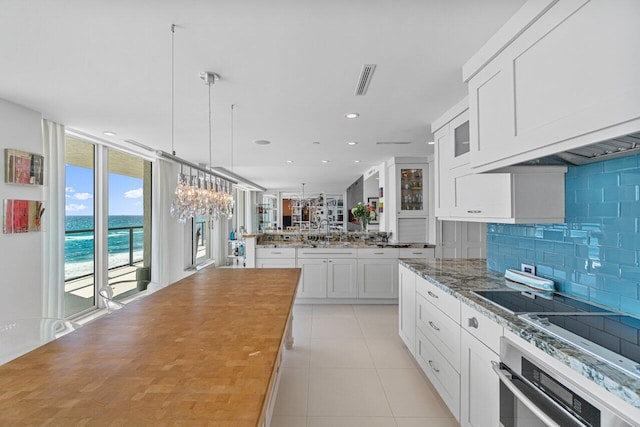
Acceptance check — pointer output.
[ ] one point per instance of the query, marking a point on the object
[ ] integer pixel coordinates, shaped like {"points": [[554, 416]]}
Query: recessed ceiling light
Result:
{"points": [[356, 161], [352, 115], [431, 142], [352, 143], [289, 161], [109, 133], [261, 142], [325, 161]]}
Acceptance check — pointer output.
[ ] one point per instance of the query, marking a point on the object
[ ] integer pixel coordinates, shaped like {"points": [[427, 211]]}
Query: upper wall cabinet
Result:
{"points": [[559, 75], [524, 194]]}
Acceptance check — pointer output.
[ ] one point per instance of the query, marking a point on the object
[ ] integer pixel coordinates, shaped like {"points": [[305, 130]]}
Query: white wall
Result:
{"points": [[21, 254]]}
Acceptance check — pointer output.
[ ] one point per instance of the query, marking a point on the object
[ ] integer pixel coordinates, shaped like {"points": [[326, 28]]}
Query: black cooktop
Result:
{"points": [[538, 302], [617, 333]]}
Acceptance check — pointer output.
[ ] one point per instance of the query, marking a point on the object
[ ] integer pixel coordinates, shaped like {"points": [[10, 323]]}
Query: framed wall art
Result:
{"points": [[21, 167], [22, 216], [373, 201]]}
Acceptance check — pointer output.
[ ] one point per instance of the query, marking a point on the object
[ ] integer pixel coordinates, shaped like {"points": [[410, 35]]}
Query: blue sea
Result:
{"points": [[79, 247]]}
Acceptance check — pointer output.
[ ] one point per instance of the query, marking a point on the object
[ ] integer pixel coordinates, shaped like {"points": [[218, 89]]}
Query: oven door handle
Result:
{"points": [[505, 378]]}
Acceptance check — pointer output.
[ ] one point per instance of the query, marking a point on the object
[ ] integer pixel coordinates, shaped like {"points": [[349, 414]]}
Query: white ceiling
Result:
{"points": [[289, 66]]}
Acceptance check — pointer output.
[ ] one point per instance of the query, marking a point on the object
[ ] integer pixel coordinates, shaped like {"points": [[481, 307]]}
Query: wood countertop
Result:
{"points": [[200, 352]]}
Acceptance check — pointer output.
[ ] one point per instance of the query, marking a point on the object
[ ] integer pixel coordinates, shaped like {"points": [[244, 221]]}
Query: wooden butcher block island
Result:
{"points": [[204, 351]]}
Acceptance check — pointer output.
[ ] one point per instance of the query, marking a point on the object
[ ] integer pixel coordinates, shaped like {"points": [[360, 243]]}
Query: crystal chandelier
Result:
{"points": [[202, 194]]}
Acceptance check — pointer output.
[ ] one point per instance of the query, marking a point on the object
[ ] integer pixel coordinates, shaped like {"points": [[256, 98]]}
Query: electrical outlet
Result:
{"points": [[528, 268]]}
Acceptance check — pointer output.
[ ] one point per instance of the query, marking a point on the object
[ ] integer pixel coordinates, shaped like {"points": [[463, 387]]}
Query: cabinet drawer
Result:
{"points": [[417, 252], [447, 303], [441, 330], [326, 253], [481, 327], [441, 374], [378, 253], [275, 252]]}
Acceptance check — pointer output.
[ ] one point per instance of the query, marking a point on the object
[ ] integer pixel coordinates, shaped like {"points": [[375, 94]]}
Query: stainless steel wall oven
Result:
{"points": [[534, 394]]}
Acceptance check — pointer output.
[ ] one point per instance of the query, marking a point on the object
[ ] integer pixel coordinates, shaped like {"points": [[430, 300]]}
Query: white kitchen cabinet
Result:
{"points": [[407, 307], [417, 253], [327, 273], [275, 263], [441, 330], [378, 278], [407, 206], [559, 75], [275, 258], [480, 343], [313, 283], [341, 278], [526, 194], [480, 386], [442, 375], [520, 195], [461, 239], [411, 190]]}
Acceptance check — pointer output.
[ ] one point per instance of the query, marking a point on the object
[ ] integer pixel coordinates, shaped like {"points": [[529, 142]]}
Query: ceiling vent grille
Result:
{"points": [[393, 142], [365, 78]]}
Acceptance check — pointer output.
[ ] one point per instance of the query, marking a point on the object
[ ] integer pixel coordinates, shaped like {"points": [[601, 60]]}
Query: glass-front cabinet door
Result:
{"points": [[412, 195]]}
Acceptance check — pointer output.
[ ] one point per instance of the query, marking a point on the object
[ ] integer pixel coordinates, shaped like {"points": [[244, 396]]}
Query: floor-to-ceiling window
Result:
{"points": [[129, 223], [113, 190], [79, 242]]}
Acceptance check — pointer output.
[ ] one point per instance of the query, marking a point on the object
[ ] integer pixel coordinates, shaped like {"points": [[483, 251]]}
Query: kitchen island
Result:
{"points": [[204, 351]]}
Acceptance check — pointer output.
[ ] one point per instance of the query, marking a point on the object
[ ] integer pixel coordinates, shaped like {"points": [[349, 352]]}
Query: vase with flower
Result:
{"points": [[364, 213]]}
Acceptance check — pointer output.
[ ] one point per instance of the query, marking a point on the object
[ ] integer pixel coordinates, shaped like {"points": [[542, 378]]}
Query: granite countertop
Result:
{"points": [[345, 245], [460, 276]]}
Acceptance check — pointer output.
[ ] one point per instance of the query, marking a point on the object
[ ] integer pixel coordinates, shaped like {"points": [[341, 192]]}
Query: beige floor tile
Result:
{"points": [[288, 421], [351, 422], [411, 395], [340, 353], [426, 422], [292, 392], [346, 392], [324, 327], [303, 310], [379, 326], [390, 353], [302, 327], [298, 356], [333, 310], [363, 310]]}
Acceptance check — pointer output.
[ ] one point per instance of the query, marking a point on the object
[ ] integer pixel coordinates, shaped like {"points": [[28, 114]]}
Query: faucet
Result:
{"points": [[324, 221]]}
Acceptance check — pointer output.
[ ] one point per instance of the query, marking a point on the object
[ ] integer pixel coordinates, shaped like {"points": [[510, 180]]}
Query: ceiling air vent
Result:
{"points": [[365, 78], [393, 142]]}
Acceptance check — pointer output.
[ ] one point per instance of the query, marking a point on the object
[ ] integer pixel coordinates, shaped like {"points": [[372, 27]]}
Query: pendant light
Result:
{"points": [[196, 195]]}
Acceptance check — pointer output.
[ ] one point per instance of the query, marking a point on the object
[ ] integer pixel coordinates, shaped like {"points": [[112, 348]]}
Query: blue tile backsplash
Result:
{"points": [[596, 253]]}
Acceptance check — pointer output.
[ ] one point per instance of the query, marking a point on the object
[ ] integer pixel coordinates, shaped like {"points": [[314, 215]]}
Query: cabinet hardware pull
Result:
{"points": [[417, 253], [432, 295], [378, 253], [473, 322], [276, 253], [330, 261], [436, 370], [324, 261], [474, 211], [433, 325]]}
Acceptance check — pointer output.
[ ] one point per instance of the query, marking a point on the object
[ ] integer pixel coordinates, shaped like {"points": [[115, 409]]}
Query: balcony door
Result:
{"points": [[108, 224]]}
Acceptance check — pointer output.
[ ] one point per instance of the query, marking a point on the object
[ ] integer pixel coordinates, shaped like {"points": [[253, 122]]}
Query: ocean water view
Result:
{"points": [[79, 245]]}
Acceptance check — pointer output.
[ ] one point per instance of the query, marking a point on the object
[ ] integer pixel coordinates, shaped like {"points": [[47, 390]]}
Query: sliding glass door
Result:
{"points": [[113, 190]]}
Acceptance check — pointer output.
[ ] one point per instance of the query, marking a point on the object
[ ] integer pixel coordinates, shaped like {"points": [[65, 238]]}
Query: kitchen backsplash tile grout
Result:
{"points": [[596, 253]]}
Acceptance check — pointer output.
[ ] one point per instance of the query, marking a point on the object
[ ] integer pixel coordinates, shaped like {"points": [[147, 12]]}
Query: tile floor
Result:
{"points": [[349, 368]]}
